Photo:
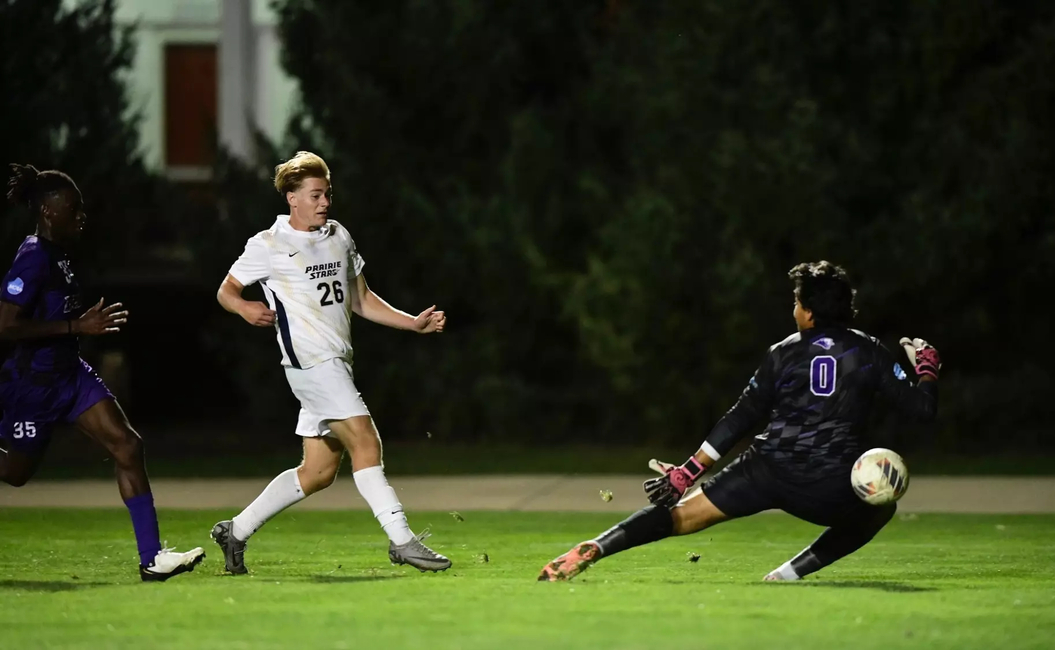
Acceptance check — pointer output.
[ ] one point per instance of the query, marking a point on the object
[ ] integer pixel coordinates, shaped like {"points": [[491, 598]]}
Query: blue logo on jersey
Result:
{"points": [[898, 372], [14, 287], [825, 343]]}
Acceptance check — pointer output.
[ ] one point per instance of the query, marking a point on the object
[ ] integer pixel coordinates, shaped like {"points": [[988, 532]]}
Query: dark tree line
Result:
{"points": [[606, 198]]}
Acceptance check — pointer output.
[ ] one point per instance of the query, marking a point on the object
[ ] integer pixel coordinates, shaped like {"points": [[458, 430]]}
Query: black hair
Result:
{"points": [[29, 187], [824, 289]]}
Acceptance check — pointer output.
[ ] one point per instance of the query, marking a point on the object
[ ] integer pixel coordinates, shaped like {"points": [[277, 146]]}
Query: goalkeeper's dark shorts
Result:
{"points": [[752, 483]]}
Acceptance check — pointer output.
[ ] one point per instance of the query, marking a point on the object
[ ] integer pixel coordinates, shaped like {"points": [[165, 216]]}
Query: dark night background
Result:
{"points": [[605, 197]]}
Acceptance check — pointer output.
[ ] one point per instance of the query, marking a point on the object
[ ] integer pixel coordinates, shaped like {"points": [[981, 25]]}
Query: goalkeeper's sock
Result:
{"points": [[786, 571], [837, 542], [647, 525]]}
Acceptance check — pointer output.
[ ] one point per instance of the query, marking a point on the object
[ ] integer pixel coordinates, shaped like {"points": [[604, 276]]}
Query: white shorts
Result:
{"points": [[326, 392]]}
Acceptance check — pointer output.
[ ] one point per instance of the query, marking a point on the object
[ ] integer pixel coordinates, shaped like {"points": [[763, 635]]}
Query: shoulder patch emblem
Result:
{"points": [[825, 342]]}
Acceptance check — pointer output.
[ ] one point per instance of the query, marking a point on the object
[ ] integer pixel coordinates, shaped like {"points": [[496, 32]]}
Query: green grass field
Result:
{"points": [[218, 454], [80, 459], [322, 580]]}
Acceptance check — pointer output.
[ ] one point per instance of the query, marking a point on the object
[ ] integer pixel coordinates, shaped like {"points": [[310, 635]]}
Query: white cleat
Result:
{"points": [[773, 576], [167, 563]]}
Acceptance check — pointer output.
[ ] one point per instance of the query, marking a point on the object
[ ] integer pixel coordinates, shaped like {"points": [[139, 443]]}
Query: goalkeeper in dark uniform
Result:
{"points": [[816, 389]]}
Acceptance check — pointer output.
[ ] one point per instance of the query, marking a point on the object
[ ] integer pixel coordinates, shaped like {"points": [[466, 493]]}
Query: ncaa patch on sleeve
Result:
{"points": [[14, 287]]}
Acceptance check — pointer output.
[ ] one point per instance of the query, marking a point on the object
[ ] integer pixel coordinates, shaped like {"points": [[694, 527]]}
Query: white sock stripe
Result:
{"points": [[787, 571]]}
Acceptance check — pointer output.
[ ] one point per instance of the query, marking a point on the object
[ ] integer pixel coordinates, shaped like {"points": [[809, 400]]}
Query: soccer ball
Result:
{"points": [[879, 477]]}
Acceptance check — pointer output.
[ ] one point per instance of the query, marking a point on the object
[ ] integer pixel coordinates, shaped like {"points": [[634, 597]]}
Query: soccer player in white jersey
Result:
{"points": [[312, 276]]}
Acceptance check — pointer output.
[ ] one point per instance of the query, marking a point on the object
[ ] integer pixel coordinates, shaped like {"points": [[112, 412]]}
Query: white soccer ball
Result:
{"points": [[879, 476]]}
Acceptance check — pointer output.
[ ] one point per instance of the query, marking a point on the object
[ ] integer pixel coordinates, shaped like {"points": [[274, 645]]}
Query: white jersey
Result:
{"points": [[306, 277]]}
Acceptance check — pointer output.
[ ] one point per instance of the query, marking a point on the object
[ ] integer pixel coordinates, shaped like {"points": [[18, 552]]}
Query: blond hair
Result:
{"points": [[290, 174]]}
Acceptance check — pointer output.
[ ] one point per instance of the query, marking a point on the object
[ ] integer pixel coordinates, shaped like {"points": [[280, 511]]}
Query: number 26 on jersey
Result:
{"points": [[331, 293]]}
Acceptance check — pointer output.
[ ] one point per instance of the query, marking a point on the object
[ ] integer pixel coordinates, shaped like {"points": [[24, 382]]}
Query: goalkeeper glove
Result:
{"points": [[668, 489], [923, 355]]}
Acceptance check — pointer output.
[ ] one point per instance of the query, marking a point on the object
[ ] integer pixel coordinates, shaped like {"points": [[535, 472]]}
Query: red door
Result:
{"points": [[190, 105]]}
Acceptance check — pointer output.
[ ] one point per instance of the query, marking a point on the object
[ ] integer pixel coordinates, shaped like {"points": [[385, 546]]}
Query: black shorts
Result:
{"points": [[751, 484]]}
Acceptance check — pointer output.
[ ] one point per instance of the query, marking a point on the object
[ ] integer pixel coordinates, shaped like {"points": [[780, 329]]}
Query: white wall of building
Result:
{"points": [[269, 94]]}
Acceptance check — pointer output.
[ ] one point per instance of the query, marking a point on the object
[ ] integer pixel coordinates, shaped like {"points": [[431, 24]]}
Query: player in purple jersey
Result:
{"points": [[44, 381], [815, 389]]}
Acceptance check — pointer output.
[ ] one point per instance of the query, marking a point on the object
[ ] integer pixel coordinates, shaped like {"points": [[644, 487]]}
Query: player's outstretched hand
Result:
{"points": [[100, 320], [923, 356], [430, 321], [668, 489], [258, 314]]}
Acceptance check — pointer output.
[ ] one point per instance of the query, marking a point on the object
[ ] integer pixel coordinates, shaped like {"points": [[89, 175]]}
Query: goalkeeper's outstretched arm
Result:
{"points": [[754, 405]]}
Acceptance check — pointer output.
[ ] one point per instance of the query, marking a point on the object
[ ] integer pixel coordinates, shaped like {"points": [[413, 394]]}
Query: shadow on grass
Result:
{"points": [[880, 585], [328, 579], [48, 585]]}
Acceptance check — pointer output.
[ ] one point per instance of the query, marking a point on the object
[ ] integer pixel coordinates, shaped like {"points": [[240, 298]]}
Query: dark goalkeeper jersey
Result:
{"points": [[817, 388]]}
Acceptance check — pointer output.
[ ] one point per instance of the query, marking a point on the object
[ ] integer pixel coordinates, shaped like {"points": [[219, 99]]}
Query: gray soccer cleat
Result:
{"points": [[418, 555], [233, 549]]}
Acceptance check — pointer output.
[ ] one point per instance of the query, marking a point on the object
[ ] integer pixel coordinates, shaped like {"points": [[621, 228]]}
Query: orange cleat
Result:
{"points": [[571, 563]]}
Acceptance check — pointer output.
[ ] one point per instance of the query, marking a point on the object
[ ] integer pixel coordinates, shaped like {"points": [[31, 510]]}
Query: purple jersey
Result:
{"points": [[41, 282], [44, 381]]}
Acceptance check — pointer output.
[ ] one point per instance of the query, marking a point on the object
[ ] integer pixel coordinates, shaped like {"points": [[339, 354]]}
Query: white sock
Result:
{"points": [[279, 494], [384, 503], [786, 572]]}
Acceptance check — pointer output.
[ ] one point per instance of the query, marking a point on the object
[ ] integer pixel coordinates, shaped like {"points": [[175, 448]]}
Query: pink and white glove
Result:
{"points": [[668, 489], [923, 356]]}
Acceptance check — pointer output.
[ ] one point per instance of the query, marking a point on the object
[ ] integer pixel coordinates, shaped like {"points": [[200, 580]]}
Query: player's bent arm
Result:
{"points": [[229, 295], [15, 328], [918, 401], [95, 321], [372, 307]]}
